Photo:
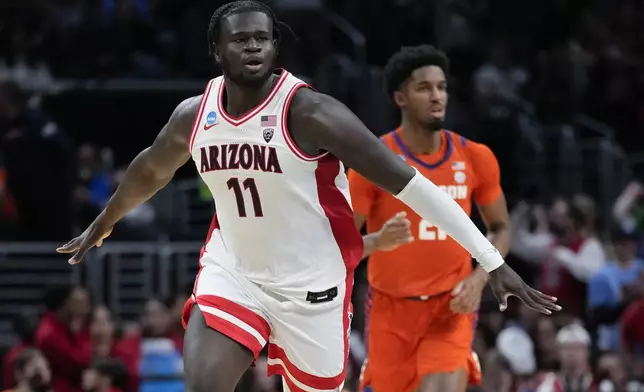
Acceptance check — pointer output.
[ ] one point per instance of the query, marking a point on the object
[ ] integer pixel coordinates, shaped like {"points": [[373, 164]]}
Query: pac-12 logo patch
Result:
{"points": [[211, 120], [268, 134]]}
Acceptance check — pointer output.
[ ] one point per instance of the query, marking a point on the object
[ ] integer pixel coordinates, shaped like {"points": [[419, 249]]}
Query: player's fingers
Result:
{"points": [[70, 246], [80, 254], [544, 300], [458, 288], [543, 296], [400, 215], [527, 299]]}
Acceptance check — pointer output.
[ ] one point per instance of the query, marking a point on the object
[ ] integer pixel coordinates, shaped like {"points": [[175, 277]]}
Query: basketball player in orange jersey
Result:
{"points": [[425, 293]]}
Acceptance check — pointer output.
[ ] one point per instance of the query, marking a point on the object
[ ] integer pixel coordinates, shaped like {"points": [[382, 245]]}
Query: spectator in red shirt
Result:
{"points": [[32, 372], [106, 375], [107, 344], [24, 326], [63, 336]]}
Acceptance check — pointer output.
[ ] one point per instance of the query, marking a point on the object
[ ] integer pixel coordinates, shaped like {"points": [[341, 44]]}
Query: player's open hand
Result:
{"points": [[506, 283], [91, 237], [395, 232], [466, 296]]}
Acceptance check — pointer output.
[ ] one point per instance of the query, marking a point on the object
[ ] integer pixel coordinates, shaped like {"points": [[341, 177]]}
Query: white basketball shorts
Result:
{"points": [[307, 334]]}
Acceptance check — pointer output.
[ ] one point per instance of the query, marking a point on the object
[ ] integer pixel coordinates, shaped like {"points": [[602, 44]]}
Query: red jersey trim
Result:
{"points": [[237, 121], [284, 125], [195, 124]]}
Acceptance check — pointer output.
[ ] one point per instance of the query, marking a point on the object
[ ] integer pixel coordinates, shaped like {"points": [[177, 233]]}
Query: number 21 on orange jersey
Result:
{"points": [[429, 232]]}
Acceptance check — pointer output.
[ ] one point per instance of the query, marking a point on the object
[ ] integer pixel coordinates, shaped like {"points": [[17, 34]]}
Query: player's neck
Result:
{"points": [[239, 99], [420, 140]]}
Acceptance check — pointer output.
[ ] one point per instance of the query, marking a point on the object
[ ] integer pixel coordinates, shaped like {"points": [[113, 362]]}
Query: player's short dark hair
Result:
{"points": [[238, 7], [409, 58]]}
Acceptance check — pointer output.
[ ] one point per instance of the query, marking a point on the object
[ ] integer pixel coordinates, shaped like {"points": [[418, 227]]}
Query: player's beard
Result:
{"points": [[246, 81], [435, 124]]}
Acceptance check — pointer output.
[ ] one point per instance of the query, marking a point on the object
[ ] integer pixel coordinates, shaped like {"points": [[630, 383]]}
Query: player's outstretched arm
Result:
{"points": [[321, 122], [150, 171]]}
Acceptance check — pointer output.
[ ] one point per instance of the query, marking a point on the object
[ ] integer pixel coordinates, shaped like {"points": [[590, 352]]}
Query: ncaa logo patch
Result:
{"points": [[211, 121], [268, 134], [211, 118], [460, 177]]}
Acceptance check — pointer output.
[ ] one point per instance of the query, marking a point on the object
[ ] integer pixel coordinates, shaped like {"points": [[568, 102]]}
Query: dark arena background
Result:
{"points": [[554, 87]]}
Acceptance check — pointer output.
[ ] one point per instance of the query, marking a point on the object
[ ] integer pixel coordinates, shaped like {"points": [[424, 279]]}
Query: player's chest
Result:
{"points": [[455, 177], [250, 149]]}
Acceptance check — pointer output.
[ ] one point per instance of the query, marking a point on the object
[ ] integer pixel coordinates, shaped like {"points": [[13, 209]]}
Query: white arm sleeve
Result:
{"points": [[437, 207]]}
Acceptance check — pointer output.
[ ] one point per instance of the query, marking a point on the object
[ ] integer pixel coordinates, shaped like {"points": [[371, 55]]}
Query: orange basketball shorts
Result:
{"points": [[410, 338]]}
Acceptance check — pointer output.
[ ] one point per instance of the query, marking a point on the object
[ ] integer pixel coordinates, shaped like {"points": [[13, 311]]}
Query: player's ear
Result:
{"points": [[400, 99], [216, 53]]}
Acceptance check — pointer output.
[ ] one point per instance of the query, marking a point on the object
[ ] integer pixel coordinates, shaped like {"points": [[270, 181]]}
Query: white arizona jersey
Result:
{"points": [[283, 217]]}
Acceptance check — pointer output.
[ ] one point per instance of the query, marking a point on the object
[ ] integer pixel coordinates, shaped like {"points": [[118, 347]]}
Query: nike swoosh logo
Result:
{"points": [[207, 127]]}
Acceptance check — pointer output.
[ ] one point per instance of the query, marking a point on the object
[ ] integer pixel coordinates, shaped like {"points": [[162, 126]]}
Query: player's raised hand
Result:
{"points": [[91, 237], [506, 283], [395, 232]]}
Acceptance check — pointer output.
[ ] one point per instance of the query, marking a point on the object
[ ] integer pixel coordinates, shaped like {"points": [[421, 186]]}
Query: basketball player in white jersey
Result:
{"points": [[277, 266]]}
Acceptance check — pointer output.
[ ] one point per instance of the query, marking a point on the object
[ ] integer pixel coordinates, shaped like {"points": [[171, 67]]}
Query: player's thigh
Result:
{"points": [[212, 360], [394, 333], [310, 341], [225, 324], [445, 356]]}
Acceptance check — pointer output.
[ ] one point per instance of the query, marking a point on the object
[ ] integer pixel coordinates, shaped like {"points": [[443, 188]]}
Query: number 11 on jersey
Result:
{"points": [[249, 185]]}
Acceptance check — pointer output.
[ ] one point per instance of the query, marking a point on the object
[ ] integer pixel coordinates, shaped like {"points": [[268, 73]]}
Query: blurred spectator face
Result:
{"points": [[87, 157], [611, 367], [34, 371], [582, 214], [156, 319], [573, 356], [106, 375], [423, 98], [573, 342], [78, 304], [625, 250], [546, 338], [92, 380], [558, 216], [102, 326], [176, 310]]}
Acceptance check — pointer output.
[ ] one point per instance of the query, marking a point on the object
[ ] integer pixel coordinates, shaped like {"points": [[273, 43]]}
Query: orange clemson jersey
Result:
{"points": [[434, 263]]}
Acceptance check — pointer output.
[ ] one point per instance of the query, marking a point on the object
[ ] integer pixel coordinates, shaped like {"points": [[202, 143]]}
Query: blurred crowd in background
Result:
{"points": [[525, 76]]}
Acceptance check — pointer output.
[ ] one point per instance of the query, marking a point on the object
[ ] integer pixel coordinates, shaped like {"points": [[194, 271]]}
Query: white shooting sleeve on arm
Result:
{"points": [[437, 207]]}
